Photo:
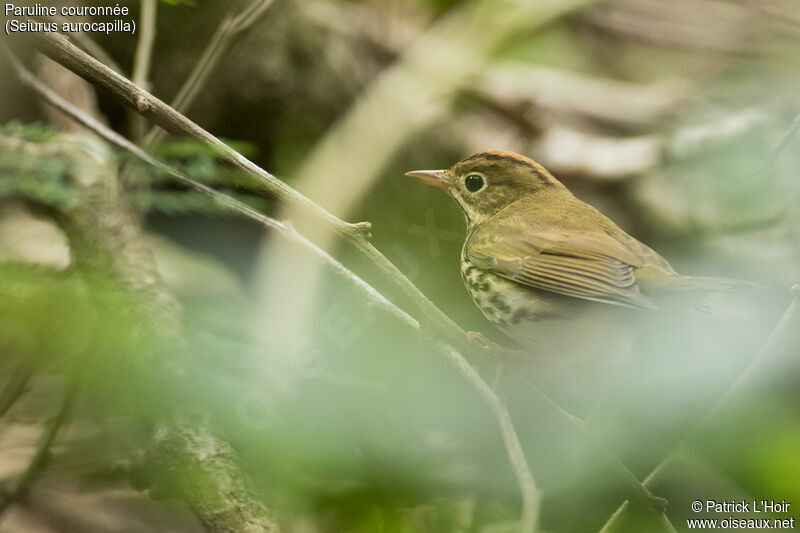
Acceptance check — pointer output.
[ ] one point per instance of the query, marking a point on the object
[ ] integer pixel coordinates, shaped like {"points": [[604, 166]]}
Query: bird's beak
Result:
{"points": [[431, 177]]}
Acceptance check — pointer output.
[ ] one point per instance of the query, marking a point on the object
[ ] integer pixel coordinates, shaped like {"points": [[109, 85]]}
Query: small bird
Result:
{"points": [[536, 256]]}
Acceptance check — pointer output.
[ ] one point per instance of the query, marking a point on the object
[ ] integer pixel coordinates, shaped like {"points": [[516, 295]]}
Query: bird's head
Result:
{"points": [[486, 182]]}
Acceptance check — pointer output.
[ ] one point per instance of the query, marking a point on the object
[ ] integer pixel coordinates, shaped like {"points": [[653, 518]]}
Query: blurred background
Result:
{"points": [[126, 300]]}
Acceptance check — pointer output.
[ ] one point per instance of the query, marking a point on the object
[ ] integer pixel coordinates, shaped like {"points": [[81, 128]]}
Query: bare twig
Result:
{"points": [[142, 59], [781, 340], [530, 495], [144, 47], [229, 29], [226, 34], [18, 488]]}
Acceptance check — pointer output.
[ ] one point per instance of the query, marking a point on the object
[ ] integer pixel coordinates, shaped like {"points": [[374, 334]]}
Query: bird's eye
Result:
{"points": [[473, 182]]}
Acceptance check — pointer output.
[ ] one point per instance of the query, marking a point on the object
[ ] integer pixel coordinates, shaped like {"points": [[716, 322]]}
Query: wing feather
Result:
{"points": [[589, 265]]}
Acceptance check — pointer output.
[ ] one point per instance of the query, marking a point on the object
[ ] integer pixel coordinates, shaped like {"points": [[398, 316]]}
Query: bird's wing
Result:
{"points": [[589, 265]]}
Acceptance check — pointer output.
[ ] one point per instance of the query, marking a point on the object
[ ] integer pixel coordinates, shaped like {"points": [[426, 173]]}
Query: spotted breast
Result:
{"points": [[520, 311]]}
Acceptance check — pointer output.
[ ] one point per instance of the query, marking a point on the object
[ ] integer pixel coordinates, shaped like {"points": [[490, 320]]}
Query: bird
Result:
{"points": [[536, 258]]}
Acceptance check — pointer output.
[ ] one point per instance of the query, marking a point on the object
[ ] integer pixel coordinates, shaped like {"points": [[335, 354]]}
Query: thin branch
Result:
{"points": [[226, 34], [142, 59], [511, 440], [18, 488], [229, 29], [783, 337], [530, 495], [144, 47]]}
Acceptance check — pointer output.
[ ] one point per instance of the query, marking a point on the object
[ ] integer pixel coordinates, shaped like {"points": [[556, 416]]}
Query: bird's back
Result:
{"points": [[567, 214]]}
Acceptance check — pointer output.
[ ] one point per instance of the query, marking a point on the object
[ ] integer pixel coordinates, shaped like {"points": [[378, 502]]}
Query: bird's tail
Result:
{"points": [[701, 283]]}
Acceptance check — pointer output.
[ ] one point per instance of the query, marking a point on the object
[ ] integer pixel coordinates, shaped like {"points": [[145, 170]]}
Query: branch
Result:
{"points": [[229, 29], [202, 470], [530, 495], [783, 338], [143, 56], [144, 47]]}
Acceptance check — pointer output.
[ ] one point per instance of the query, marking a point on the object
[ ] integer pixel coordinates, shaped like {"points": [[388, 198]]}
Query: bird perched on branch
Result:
{"points": [[536, 257]]}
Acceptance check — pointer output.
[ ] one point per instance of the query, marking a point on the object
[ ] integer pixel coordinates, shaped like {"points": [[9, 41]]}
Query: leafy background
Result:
{"points": [[676, 119]]}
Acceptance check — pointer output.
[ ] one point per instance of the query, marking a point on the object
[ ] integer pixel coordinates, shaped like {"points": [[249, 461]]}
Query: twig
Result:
{"points": [[18, 488], [229, 29], [15, 386], [513, 445], [781, 339], [142, 59], [530, 495], [144, 47]]}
